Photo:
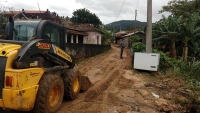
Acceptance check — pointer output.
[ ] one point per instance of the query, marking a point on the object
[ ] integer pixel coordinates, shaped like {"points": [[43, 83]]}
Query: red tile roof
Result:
{"points": [[34, 11], [79, 27], [25, 11], [76, 32], [10, 13], [71, 28], [67, 23], [87, 27]]}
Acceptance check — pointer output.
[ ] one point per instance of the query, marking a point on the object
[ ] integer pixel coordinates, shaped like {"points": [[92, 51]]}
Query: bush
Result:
{"points": [[191, 70], [138, 47], [165, 61], [106, 37]]}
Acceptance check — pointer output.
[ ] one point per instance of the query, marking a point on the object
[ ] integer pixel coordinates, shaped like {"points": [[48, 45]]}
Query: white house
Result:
{"points": [[82, 33]]}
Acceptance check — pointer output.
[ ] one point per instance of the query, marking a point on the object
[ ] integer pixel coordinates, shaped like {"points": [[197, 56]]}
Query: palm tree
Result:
{"points": [[169, 28], [196, 49], [189, 30]]}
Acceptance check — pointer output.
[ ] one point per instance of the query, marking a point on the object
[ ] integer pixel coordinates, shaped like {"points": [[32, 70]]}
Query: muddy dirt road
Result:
{"points": [[116, 89], [105, 72]]}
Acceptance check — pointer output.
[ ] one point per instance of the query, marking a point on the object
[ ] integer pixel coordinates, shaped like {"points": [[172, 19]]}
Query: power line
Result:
{"points": [[91, 4], [16, 1], [137, 5], [121, 8]]}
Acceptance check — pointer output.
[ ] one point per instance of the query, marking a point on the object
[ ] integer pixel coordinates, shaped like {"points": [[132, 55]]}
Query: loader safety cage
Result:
{"points": [[24, 30]]}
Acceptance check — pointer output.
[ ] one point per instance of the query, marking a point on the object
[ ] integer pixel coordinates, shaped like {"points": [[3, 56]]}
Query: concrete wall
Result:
{"points": [[83, 51], [92, 38]]}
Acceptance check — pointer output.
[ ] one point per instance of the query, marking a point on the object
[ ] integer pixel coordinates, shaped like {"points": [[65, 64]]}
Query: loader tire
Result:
{"points": [[72, 84], [50, 94]]}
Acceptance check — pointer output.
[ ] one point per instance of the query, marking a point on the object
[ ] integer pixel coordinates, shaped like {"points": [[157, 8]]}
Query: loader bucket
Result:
{"points": [[85, 83]]}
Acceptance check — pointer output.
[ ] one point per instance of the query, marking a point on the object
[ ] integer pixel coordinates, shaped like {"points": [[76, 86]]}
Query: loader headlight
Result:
{"points": [[9, 81]]}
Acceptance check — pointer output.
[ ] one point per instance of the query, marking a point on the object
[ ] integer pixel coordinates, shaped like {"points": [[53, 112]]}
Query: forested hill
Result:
{"points": [[125, 25]]}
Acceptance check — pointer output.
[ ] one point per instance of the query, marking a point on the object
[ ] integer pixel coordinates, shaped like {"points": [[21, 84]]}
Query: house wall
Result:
{"points": [[118, 41], [83, 51], [143, 37], [93, 38], [84, 39]]}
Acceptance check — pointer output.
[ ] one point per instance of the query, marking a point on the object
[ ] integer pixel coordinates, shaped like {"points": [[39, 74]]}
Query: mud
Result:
{"points": [[118, 89]]}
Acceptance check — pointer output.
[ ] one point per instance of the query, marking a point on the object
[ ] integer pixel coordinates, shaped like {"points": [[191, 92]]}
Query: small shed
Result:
{"points": [[126, 36], [141, 34]]}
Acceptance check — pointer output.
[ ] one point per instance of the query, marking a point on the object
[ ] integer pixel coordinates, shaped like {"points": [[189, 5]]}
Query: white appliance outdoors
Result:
{"points": [[146, 61]]}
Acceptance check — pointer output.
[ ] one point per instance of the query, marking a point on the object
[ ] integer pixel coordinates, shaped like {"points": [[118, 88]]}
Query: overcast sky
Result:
{"points": [[107, 10]]}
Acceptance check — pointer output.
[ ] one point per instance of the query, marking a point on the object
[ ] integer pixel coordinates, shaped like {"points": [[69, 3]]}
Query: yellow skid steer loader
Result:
{"points": [[36, 73]]}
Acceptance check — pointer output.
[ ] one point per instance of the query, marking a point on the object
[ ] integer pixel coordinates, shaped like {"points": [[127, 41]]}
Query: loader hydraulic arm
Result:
{"points": [[41, 53]]}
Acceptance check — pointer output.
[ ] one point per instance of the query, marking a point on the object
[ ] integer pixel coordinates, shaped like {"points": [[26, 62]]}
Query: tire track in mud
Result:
{"points": [[96, 97], [110, 76], [97, 61], [109, 99]]}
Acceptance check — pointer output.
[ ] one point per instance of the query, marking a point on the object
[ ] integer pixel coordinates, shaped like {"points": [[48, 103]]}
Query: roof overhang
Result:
{"points": [[133, 33], [76, 32]]}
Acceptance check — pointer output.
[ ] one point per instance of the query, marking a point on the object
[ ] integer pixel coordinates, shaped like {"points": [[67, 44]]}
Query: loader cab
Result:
{"points": [[24, 30]]}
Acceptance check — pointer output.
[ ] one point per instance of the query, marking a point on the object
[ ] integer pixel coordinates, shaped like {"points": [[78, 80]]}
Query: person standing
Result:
{"points": [[130, 46], [122, 48]]}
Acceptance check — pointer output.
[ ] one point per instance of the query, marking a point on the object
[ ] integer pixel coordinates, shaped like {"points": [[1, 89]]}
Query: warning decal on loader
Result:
{"points": [[62, 54], [43, 45]]}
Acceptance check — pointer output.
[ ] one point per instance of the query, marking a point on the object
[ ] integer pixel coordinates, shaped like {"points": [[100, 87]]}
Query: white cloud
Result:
{"points": [[107, 10]]}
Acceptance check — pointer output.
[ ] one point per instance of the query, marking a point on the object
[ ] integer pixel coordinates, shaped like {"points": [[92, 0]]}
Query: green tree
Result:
{"points": [[135, 38], [85, 16], [106, 37], [67, 18], [181, 7], [189, 31], [128, 27], [196, 49], [168, 28]]}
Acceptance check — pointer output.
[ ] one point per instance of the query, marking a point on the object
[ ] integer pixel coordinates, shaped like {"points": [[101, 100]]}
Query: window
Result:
{"points": [[68, 38], [52, 34], [23, 31]]}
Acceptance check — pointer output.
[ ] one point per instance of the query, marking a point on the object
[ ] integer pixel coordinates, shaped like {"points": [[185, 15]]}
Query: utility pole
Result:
{"points": [[39, 7], [135, 18], [149, 27]]}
